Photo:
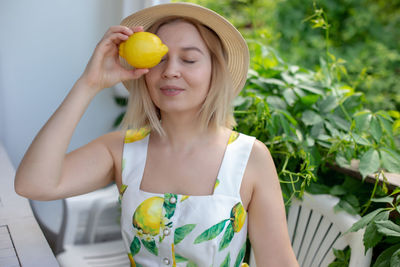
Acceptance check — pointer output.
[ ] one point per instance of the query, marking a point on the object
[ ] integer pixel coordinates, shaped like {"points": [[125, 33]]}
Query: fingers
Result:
{"points": [[122, 30], [118, 34], [133, 74], [137, 29], [119, 29]]}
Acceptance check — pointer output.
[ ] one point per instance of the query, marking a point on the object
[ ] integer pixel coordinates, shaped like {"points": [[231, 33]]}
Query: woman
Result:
{"points": [[190, 187]]}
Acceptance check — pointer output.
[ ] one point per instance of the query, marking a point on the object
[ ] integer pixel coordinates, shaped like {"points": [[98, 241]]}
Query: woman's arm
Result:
{"points": [[268, 231], [46, 172]]}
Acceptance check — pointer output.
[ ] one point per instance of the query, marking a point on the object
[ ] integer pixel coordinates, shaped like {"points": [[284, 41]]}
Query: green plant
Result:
{"points": [[311, 121], [308, 119], [364, 33], [378, 226], [342, 258]]}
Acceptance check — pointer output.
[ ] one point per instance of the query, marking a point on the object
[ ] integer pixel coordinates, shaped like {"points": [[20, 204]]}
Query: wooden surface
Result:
{"points": [[21, 241], [392, 179]]}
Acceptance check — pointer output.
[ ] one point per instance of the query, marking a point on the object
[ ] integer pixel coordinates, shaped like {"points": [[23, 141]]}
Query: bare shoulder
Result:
{"points": [[260, 159], [262, 172], [114, 143], [112, 140]]}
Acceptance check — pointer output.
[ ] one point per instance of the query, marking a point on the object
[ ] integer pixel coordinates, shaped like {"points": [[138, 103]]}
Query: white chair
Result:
{"points": [[66, 222], [103, 218], [315, 229], [78, 219]]}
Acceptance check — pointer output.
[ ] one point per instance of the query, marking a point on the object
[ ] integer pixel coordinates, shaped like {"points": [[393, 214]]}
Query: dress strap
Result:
{"points": [[234, 165], [134, 156]]}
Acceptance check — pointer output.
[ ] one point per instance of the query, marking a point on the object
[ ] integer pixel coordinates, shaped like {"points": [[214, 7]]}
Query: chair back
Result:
{"points": [[315, 228]]}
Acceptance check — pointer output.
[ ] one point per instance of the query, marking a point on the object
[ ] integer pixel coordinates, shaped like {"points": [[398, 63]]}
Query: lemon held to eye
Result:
{"points": [[143, 50], [147, 216]]}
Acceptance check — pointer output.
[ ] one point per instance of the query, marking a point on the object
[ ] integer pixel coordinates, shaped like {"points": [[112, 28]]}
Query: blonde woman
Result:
{"points": [[192, 189]]}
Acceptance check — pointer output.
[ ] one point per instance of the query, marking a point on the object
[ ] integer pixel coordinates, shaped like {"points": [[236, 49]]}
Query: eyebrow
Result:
{"points": [[192, 48]]}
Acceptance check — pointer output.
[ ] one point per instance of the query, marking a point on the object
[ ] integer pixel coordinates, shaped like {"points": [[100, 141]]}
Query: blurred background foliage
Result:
{"points": [[364, 34]]}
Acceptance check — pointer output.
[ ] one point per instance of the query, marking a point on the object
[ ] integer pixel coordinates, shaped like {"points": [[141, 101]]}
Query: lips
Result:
{"points": [[171, 90]]}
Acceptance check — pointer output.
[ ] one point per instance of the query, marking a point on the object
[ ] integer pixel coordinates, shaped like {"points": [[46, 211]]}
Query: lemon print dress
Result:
{"points": [[180, 230]]}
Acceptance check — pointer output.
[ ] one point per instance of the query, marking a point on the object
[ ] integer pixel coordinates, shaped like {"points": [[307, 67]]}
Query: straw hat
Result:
{"points": [[234, 44]]}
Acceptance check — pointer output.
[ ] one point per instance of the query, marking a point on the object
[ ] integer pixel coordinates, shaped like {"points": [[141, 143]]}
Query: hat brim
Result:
{"points": [[234, 44]]}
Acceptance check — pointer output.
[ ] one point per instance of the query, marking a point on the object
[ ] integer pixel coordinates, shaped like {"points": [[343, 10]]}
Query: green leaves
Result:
{"points": [[390, 160], [211, 232], [373, 159], [364, 220], [388, 228], [310, 117], [385, 258], [182, 232], [168, 206], [362, 120], [342, 257], [369, 162], [227, 261], [135, 246], [227, 238], [179, 258], [376, 129], [150, 246], [372, 236], [310, 120], [214, 231], [240, 256]]}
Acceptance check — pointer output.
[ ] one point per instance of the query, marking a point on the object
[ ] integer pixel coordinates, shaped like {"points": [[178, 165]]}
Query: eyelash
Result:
{"points": [[186, 61]]}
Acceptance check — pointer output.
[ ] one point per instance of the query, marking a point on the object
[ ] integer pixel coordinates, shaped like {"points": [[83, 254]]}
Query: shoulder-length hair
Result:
{"points": [[217, 109]]}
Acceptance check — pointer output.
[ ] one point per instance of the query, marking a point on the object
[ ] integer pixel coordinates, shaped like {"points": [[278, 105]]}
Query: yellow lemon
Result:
{"points": [[143, 50], [238, 217], [244, 265], [148, 215], [136, 135], [233, 137]]}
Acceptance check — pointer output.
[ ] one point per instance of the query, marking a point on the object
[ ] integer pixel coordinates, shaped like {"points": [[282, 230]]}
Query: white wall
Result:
{"points": [[44, 47]]}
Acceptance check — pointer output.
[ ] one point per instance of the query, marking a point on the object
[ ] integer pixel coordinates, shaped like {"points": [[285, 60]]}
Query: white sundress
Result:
{"points": [[183, 230]]}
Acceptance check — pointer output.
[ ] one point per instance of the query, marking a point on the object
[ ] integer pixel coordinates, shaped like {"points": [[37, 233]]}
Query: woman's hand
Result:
{"points": [[104, 69]]}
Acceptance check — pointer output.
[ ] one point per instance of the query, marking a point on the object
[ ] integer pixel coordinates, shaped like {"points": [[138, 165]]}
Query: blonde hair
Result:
{"points": [[217, 109]]}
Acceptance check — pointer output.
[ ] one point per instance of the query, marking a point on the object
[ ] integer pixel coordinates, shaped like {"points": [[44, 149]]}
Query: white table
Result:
{"points": [[22, 243]]}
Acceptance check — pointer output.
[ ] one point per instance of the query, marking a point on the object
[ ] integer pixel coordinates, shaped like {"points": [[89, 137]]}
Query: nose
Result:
{"points": [[171, 69]]}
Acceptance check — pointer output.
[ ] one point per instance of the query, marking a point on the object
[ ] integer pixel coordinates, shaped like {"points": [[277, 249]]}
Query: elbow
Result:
{"points": [[28, 190], [18, 186]]}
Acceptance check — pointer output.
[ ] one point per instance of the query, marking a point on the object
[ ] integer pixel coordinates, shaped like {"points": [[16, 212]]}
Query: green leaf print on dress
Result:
{"points": [[190, 263], [135, 246], [182, 232], [236, 222], [227, 261], [151, 246], [211, 232], [169, 205], [227, 238], [240, 256], [151, 216]]}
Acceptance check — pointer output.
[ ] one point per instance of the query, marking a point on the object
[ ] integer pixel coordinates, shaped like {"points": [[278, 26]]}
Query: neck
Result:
{"points": [[183, 132]]}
